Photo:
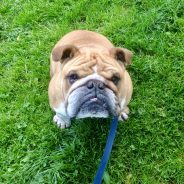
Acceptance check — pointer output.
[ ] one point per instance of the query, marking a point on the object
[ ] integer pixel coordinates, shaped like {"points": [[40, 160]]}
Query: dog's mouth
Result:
{"points": [[94, 107]]}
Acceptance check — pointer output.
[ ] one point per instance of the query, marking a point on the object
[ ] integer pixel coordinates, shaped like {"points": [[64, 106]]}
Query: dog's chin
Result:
{"points": [[93, 108]]}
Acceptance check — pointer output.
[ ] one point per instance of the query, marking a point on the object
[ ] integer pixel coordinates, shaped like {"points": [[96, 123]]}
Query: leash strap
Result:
{"points": [[107, 151]]}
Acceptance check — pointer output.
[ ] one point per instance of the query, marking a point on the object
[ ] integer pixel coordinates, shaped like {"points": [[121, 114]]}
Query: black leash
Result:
{"points": [[107, 151]]}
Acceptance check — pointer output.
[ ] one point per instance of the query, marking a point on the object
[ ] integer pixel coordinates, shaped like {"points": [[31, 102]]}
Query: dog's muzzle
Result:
{"points": [[93, 99]]}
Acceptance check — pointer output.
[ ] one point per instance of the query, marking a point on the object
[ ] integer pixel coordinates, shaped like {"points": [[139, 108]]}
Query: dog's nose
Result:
{"points": [[101, 85], [90, 85], [95, 84]]}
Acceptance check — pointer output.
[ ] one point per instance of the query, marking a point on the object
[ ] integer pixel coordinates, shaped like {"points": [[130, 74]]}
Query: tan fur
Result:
{"points": [[92, 50]]}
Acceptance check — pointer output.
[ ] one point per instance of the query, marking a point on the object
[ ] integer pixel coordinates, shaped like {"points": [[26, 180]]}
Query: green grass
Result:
{"points": [[149, 147]]}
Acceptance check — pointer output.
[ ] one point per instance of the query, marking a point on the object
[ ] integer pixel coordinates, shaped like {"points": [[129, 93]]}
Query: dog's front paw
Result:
{"points": [[62, 122], [123, 116]]}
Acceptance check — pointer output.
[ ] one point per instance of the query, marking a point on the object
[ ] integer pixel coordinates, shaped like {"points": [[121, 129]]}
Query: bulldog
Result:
{"points": [[88, 78]]}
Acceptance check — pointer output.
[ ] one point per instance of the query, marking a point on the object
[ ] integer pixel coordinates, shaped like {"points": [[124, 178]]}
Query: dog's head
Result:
{"points": [[90, 81]]}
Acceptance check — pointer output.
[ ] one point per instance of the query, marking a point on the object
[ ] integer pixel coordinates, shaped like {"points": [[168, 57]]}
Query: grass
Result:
{"points": [[149, 147]]}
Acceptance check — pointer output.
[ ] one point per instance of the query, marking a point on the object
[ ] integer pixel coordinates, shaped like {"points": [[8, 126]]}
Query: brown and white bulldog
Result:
{"points": [[88, 78]]}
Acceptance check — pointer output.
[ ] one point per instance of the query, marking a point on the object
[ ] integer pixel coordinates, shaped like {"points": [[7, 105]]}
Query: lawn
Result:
{"points": [[148, 148]]}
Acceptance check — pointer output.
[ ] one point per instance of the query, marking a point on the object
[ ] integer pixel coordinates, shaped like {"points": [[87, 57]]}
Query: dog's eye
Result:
{"points": [[115, 79], [73, 77]]}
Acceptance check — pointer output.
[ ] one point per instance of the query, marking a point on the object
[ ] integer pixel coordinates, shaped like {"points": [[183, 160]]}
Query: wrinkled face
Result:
{"points": [[91, 85]]}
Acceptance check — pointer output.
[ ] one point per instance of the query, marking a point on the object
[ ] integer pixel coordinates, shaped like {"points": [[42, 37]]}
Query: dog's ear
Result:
{"points": [[121, 54], [63, 53]]}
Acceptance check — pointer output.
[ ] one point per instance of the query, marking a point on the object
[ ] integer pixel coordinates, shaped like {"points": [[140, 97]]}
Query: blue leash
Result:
{"points": [[107, 151]]}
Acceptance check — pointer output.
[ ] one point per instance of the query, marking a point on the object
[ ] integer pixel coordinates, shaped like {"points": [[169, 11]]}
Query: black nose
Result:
{"points": [[101, 85], [90, 85], [95, 84]]}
